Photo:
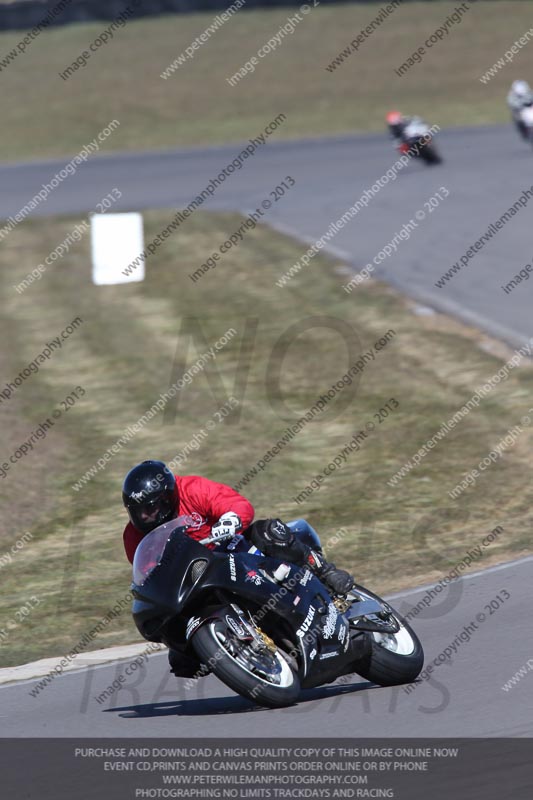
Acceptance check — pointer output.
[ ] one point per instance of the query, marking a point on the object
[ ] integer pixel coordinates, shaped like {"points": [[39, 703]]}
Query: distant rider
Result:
{"points": [[520, 95], [405, 128], [152, 496]]}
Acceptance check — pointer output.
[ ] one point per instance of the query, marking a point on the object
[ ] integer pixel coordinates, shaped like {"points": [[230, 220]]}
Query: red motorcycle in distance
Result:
{"points": [[415, 137]]}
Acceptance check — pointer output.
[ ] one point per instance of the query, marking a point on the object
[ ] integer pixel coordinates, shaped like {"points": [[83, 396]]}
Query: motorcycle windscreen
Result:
{"points": [[150, 551]]}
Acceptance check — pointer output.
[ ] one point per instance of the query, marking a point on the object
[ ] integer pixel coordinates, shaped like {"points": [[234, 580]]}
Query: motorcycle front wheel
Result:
{"points": [[263, 676]]}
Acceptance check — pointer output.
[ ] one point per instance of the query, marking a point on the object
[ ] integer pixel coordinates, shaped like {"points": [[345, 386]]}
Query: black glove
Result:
{"points": [[338, 580]]}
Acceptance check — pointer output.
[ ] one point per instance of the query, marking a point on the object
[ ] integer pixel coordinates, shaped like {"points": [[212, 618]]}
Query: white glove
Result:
{"points": [[228, 523]]}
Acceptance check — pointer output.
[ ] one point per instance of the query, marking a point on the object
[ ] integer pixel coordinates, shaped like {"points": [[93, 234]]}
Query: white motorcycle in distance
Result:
{"points": [[525, 122]]}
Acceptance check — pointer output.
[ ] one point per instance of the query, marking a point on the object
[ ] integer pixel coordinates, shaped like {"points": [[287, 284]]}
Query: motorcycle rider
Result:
{"points": [[519, 96], [152, 496], [396, 123]]}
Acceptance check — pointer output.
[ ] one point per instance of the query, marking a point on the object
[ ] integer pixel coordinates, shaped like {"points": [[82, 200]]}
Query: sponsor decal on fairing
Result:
{"points": [[192, 625], [254, 577], [306, 624], [232, 568], [233, 543], [329, 627], [342, 637], [306, 577]]}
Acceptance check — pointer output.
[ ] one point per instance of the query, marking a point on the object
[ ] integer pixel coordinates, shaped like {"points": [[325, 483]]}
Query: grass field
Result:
{"points": [[126, 352], [52, 117]]}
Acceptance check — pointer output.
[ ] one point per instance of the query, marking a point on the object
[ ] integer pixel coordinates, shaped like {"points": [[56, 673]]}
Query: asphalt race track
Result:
{"points": [[461, 698], [485, 170]]}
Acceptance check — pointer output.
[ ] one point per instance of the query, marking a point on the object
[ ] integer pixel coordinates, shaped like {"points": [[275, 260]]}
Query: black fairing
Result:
{"points": [[298, 613]]}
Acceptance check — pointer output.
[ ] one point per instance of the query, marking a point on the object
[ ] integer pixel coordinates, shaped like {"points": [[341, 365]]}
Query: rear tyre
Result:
{"points": [[430, 155], [393, 659], [265, 677]]}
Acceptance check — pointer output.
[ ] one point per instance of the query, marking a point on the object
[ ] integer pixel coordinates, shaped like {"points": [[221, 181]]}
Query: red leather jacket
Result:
{"points": [[203, 500]]}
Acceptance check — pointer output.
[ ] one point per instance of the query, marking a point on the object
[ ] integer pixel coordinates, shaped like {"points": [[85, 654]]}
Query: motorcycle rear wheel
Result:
{"points": [[393, 658], [430, 155]]}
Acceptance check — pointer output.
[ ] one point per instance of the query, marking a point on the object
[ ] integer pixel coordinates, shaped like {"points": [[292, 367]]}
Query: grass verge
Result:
{"points": [[129, 349]]}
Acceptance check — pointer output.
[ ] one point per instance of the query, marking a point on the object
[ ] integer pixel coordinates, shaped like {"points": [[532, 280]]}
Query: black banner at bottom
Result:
{"points": [[133, 769]]}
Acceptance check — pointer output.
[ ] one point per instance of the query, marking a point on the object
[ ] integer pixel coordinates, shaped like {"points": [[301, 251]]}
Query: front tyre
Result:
{"points": [[263, 676], [393, 658]]}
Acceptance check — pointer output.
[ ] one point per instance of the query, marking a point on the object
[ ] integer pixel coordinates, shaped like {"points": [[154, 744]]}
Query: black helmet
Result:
{"points": [[150, 494]]}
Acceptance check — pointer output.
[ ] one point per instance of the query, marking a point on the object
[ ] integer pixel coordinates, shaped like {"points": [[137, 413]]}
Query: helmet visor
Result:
{"points": [[148, 514]]}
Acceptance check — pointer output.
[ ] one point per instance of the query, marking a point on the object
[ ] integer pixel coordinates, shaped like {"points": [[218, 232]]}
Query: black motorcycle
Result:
{"points": [[265, 628]]}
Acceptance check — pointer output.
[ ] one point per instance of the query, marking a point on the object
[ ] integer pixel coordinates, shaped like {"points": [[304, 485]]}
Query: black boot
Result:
{"points": [[185, 666]]}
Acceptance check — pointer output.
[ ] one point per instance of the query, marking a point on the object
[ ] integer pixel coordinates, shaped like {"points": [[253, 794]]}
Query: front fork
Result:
{"points": [[237, 622]]}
